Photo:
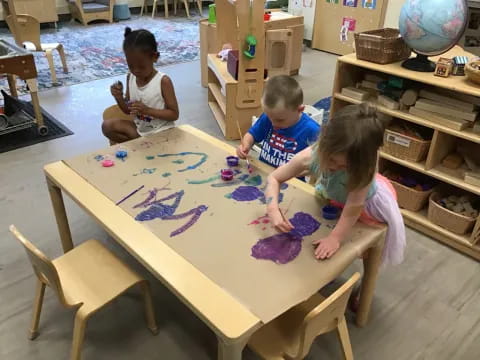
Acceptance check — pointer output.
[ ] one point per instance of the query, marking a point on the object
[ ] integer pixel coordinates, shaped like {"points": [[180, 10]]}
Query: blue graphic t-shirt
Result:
{"points": [[280, 145]]}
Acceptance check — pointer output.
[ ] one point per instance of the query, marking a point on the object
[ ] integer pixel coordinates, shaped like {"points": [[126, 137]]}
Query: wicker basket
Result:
{"points": [[409, 198], [450, 220], [382, 46], [405, 147], [472, 70]]}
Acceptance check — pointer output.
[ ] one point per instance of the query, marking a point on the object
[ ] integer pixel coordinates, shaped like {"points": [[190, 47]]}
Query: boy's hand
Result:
{"points": [[326, 247], [138, 108], [117, 90], [279, 221], [242, 151]]}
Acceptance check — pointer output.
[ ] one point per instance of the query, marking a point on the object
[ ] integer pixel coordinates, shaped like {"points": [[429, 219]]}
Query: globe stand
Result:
{"points": [[419, 63]]}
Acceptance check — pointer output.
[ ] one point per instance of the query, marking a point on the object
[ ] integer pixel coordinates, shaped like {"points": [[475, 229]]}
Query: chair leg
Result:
{"points": [[199, 5], [174, 7], [78, 334], [61, 52], [37, 309], [49, 55], [185, 2], [154, 7], [342, 330], [165, 5], [149, 309], [12, 84], [141, 9]]}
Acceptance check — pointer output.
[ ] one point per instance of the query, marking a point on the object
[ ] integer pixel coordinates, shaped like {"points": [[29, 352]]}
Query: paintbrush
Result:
{"points": [[130, 195], [249, 167]]}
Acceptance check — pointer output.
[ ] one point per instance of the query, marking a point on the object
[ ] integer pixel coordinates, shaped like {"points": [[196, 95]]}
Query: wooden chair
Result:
{"points": [[187, 4], [154, 7], [26, 31], [85, 278], [291, 335], [86, 11]]}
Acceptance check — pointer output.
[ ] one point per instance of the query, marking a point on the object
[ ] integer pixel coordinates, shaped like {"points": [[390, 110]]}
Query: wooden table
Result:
{"points": [[231, 320]]}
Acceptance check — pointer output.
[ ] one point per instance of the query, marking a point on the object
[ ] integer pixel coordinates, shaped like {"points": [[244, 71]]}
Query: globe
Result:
{"points": [[431, 27]]}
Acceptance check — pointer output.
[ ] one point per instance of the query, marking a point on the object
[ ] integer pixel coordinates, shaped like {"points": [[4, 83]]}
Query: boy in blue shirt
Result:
{"points": [[284, 129]]}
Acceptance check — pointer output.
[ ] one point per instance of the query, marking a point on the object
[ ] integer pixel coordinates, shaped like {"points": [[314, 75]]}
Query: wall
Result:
{"points": [[393, 13]]}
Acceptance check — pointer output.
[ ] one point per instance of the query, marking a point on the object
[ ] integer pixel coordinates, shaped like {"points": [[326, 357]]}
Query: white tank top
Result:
{"points": [[151, 95]]}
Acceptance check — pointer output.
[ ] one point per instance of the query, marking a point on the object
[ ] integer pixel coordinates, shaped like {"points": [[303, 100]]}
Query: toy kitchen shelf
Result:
{"points": [[350, 71]]}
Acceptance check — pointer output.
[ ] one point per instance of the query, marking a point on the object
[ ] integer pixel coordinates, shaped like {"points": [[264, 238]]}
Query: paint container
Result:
{"points": [[330, 212], [227, 174], [232, 161], [121, 154], [108, 163]]}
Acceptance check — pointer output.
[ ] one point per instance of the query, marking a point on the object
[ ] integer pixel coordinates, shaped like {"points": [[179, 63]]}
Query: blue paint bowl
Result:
{"points": [[232, 160], [121, 154], [330, 212]]}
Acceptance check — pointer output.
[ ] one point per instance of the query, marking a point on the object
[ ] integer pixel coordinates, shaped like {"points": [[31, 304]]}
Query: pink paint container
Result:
{"points": [[226, 174]]}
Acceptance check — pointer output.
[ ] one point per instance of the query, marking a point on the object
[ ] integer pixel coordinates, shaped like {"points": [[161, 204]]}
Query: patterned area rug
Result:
{"points": [[95, 51], [324, 104]]}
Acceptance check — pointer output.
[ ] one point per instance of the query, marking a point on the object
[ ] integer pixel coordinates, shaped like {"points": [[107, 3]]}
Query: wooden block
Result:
{"points": [[453, 161], [355, 93], [443, 109], [476, 127], [430, 95], [472, 178], [450, 122], [374, 78], [369, 85], [388, 103], [459, 96], [409, 97]]}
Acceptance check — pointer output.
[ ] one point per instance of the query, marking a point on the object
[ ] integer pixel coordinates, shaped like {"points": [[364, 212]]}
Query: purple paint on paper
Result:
{"points": [[285, 247], [203, 158], [304, 224], [158, 210], [246, 193], [280, 248], [284, 186], [99, 157], [152, 195], [195, 213]]}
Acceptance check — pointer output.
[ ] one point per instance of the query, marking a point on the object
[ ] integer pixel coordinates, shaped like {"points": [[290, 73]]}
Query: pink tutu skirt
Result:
{"points": [[382, 208]]}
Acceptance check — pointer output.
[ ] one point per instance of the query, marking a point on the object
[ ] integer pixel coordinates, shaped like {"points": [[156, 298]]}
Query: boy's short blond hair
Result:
{"points": [[282, 91]]}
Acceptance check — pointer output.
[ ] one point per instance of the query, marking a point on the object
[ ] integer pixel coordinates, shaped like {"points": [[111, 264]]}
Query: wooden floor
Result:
{"points": [[427, 308]]}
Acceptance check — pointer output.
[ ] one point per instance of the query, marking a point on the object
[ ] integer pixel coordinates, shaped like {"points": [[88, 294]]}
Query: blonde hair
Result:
{"points": [[357, 132], [284, 91]]}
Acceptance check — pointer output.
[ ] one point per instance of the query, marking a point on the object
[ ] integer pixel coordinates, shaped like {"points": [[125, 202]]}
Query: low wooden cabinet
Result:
{"points": [[351, 71]]}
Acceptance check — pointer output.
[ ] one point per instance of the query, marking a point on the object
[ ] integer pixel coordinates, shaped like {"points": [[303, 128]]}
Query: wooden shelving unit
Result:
{"points": [[233, 100], [350, 71]]}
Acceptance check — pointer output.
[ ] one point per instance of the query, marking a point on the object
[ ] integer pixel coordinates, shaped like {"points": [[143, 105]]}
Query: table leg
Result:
{"points": [[231, 349], [60, 216], [32, 86], [371, 264], [12, 84]]}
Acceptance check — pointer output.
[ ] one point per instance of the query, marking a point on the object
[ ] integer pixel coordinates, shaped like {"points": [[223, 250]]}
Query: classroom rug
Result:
{"points": [[30, 136], [95, 51]]}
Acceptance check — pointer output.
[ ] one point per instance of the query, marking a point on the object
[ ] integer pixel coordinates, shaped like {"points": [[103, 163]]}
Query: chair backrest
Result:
{"points": [[42, 266], [320, 319], [25, 29]]}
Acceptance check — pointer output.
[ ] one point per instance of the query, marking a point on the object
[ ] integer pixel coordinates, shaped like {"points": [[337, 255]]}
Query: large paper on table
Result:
{"points": [[219, 243]]}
